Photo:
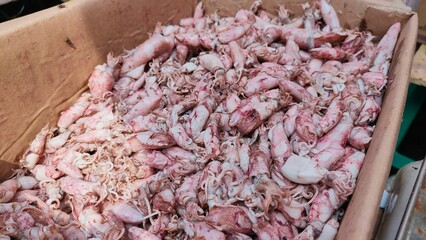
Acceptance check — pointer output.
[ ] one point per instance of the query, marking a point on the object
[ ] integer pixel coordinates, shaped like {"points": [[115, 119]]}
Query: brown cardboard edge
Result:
{"points": [[361, 214]]}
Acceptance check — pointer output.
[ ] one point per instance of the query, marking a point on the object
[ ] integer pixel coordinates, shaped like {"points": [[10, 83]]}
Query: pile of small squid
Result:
{"points": [[246, 127]]}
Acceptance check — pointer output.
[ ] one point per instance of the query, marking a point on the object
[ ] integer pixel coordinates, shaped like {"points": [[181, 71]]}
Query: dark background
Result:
{"points": [[23, 7]]}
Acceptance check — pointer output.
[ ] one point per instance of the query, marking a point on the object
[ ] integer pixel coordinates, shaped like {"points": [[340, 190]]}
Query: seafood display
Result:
{"points": [[246, 127]]}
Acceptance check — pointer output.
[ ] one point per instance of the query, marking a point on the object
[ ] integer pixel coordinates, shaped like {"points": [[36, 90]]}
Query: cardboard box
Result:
{"points": [[47, 57]]}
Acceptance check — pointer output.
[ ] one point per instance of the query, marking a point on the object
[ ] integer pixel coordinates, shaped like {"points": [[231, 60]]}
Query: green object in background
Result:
{"points": [[416, 95]]}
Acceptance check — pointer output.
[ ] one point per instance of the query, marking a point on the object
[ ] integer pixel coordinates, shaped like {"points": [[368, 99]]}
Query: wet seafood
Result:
{"points": [[244, 127]]}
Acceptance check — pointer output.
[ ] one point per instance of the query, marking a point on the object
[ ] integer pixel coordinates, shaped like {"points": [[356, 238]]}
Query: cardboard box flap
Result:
{"points": [[49, 55], [379, 25]]}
